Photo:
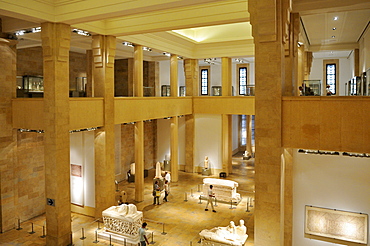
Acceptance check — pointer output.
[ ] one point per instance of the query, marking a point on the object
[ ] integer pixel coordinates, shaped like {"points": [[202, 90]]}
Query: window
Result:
{"points": [[204, 78], [243, 130], [242, 80], [331, 77]]}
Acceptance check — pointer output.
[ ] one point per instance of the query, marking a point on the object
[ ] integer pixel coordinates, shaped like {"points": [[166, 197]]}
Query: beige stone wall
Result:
{"points": [[8, 157], [128, 146], [29, 62], [30, 175], [77, 68], [123, 75]]}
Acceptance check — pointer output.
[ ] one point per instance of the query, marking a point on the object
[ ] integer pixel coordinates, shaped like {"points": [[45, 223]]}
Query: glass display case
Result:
{"points": [[165, 91], [311, 87], [33, 83], [216, 91], [182, 91], [354, 86], [249, 90]]}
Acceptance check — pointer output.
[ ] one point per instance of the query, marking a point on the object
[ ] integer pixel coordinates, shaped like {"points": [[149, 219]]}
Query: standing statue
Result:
{"points": [[206, 162], [158, 171]]}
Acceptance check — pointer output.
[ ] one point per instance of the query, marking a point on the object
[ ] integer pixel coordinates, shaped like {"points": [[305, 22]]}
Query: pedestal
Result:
{"points": [[206, 171]]}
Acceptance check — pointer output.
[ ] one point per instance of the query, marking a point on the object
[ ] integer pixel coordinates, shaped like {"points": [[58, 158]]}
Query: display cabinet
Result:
{"points": [[354, 86], [216, 91], [165, 91], [249, 90], [182, 91], [33, 83], [312, 87]]}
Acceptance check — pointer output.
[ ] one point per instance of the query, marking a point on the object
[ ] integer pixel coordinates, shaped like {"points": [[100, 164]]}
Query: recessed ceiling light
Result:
{"points": [[333, 36], [335, 18], [334, 28]]}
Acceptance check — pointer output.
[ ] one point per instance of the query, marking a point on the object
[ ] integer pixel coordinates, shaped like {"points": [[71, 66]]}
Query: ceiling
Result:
{"points": [[184, 28]]}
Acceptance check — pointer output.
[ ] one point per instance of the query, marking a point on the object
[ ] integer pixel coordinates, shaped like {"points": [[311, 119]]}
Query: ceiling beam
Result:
{"points": [[310, 7]]}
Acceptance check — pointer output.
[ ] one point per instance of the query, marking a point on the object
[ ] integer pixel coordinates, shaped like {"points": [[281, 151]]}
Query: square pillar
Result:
{"points": [[103, 73], [55, 44]]}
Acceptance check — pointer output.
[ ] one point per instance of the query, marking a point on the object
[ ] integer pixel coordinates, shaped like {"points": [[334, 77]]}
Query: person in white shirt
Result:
{"points": [[211, 195], [142, 234], [167, 176], [166, 191]]}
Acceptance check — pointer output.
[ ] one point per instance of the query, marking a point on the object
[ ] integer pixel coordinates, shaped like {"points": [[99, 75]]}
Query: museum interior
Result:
{"points": [[106, 105]]}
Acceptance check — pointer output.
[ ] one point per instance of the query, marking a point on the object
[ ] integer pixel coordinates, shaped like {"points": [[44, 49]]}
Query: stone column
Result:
{"points": [[174, 76], [8, 138], [226, 119], [191, 70], [226, 143], [291, 56], [55, 44], [174, 148], [249, 134], [139, 161], [138, 71], [174, 141], [226, 76], [268, 32], [104, 51], [139, 126], [89, 74]]}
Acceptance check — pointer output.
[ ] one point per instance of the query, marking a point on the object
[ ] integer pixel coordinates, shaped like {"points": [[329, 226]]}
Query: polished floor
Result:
{"points": [[177, 222]]}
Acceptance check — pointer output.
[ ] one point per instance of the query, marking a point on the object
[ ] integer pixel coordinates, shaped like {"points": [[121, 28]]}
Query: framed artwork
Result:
{"points": [[336, 224]]}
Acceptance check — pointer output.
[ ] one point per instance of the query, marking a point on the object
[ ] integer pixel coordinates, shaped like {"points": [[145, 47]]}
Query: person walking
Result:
{"points": [[166, 191], [167, 177], [142, 235], [156, 192], [211, 195]]}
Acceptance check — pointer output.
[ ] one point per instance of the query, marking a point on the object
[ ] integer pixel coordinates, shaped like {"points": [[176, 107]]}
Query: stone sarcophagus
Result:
{"points": [[123, 220], [225, 190]]}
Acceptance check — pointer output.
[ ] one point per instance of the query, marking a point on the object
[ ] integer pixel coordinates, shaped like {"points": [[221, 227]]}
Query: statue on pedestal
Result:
{"points": [[206, 162], [158, 171]]}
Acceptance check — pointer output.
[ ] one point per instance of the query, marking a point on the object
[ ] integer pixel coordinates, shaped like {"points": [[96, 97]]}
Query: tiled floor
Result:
{"points": [[180, 220]]}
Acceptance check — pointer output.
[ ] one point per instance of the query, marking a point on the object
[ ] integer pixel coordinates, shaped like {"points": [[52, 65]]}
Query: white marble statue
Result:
{"points": [[132, 168], [158, 171], [206, 162], [241, 229], [229, 235], [123, 220]]}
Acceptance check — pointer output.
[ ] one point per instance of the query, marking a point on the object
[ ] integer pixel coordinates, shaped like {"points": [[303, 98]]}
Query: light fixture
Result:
{"points": [[210, 60], [356, 154], [300, 44], [334, 28], [128, 44], [29, 130], [239, 60], [333, 36], [147, 48], [180, 57], [167, 118], [20, 32], [166, 54], [318, 152], [84, 129], [81, 32], [335, 18], [36, 29]]}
